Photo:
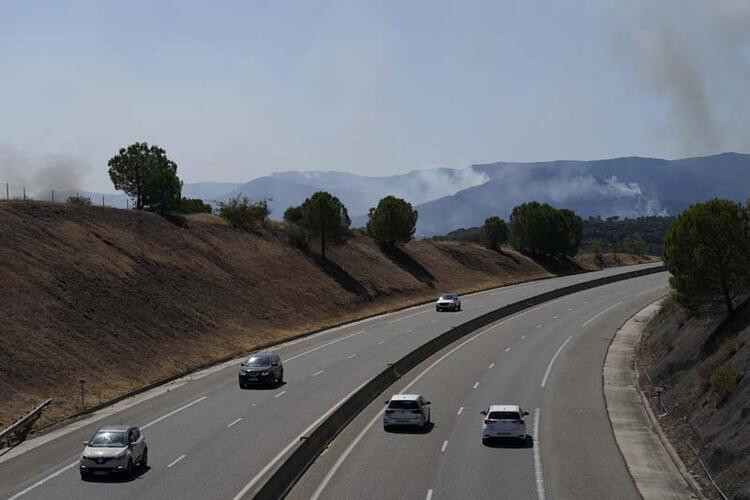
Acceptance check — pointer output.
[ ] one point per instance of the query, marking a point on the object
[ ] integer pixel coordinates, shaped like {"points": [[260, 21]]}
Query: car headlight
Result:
{"points": [[242, 372], [265, 372]]}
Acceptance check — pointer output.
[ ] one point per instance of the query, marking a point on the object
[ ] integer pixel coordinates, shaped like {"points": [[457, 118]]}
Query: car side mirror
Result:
{"points": [[242, 364], [274, 364], [525, 414], [85, 443], [428, 402], [483, 412]]}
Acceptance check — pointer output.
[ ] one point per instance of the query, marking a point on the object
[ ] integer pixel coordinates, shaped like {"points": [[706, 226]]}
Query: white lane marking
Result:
{"points": [[491, 365], [552, 361], [538, 326], [321, 346], [538, 458], [280, 394], [649, 290], [381, 342], [476, 384], [409, 316], [175, 461], [445, 445], [600, 313], [523, 336], [173, 412], [294, 443], [351, 356], [409, 330], [555, 317], [42, 481], [507, 349], [460, 411], [479, 306], [585, 301], [429, 495], [378, 416], [234, 422], [570, 309], [434, 321], [317, 373]]}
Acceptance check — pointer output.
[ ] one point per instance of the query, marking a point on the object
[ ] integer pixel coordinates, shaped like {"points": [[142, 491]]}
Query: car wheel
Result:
{"points": [[281, 377], [437, 309], [85, 476], [242, 385], [485, 441], [144, 458], [129, 470]]}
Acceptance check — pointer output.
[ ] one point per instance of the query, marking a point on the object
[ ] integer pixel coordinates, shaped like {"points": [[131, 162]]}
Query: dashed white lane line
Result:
{"points": [[460, 411], [570, 309], [317, 373], [555, 317], [523, 336], [409, 316], [552, 361], [352, 356], [381, 342], [538, 459], [445, 445], [321, 346], [409, 330], [491, 365], [429, 495], [600, 313], [280, 394], [173, 412], [233, 422], [538, 326], [42, 481], [174, 462], [476, 384], [507, 349]]}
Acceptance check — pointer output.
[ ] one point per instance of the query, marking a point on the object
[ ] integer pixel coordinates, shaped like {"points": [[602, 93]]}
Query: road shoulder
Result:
{"points": [[653, 469]]}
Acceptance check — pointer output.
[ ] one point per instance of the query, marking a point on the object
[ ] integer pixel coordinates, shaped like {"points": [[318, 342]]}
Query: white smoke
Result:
{"points": [[58, 172]]}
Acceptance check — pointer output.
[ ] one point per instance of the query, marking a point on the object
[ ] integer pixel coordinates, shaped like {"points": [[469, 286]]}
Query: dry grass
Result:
{"points": [[121, 298], [589, 260]]}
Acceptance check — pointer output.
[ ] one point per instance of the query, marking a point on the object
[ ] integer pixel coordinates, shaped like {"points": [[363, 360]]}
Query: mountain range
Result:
{"points": [[448, 198]]}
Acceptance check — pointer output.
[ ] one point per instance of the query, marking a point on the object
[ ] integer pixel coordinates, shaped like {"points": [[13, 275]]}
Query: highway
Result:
{"points": [[209, 439], [549, 360]]}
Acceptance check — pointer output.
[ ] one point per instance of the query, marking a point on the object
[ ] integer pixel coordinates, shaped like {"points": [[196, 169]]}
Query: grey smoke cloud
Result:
{"points": [[53, 171]]}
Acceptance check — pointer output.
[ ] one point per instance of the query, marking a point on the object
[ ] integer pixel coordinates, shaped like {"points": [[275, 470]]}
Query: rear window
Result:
{"points": [[504, 415], [403, 405]]}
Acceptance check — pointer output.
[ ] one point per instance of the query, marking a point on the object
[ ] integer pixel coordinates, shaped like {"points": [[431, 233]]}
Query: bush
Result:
{"points": [[82, 201], [299, 237], [193, 206], [724, 381], [243, 213], [494, 232]]}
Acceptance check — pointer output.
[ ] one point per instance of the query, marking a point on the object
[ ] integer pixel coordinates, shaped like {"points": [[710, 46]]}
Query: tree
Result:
{"points": [[293, 215], [193, 206], [162, 190], [494, 232], [706, 250], [243, 213], [326, 218], [596, 249], [541, 229], [131, 169], [392, 221], [568, 231]]}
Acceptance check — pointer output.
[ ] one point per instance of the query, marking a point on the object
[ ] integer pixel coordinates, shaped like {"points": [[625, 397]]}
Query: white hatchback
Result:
{"points": [[504, 421], [407, 409]]}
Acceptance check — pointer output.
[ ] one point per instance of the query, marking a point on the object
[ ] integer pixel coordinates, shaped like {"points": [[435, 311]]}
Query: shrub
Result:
{"points": [[79, 200], [299, 237], [494, 232], [243, 213], [193, 206], [724, 381]]}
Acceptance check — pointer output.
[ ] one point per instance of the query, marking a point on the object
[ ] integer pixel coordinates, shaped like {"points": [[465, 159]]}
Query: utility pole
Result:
{"points": [[53, 195], [24, 193], [7, 191]]}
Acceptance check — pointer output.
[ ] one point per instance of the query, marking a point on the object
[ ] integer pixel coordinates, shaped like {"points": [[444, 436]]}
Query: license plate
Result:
{"points": [[253, 379], [100, 472]]}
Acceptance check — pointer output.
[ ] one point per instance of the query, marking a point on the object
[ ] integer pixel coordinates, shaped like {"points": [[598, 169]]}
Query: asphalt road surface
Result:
{"points": [[209, 439], [548, 360]]}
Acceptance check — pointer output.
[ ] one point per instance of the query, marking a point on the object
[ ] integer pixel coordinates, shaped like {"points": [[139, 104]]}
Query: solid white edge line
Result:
{"points": [[143, 427], [538, 459], [552, 362], [445, 445], [429, 495], [174, 462], [234, 422], [339, 461], [42, 481], [280, 394], [410, 316], [600, 313], [321, 346]]}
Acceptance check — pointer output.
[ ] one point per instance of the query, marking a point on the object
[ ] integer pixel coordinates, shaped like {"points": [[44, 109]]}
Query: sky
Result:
{"points": [[237, 90]]}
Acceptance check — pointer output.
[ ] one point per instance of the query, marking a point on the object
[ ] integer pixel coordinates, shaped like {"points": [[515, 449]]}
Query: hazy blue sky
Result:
{"points": [[234, 90]]}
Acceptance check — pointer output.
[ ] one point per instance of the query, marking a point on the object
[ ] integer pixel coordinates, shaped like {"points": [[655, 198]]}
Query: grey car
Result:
{"points": [[261, 368], [114, 449]]}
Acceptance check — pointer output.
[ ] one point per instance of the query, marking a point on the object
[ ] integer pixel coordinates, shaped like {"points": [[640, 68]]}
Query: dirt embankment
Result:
{"points": [[592, 261], [122, 298], [701, 361]]}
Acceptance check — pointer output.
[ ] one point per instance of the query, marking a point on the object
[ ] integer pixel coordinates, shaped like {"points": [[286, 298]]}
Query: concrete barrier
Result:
{"points": [[289, 472]]}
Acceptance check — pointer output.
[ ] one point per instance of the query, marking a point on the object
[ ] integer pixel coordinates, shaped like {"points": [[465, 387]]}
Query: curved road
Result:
{"points": [[549, 360], [209, 439]]}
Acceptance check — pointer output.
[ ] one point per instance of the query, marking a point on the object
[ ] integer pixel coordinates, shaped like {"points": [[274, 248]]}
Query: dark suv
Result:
{"points": [[261, 368]]}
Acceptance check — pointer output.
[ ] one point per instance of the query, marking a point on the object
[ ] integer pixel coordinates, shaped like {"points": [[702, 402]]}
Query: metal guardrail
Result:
{"points": [[18, 431]]}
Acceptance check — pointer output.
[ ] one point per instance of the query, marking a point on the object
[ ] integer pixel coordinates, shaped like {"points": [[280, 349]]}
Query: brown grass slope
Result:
{"points": [[121, 298]]}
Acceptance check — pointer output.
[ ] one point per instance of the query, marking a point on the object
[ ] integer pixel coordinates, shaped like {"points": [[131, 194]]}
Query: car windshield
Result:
{"points": [[504, 415], [447, 297], [404, 405], [259, 361], [109, 439]]}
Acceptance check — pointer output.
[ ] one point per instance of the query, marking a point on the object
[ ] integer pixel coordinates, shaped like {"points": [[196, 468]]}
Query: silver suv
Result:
{"points": [[114, 449], [261, 368], [448, 302]]}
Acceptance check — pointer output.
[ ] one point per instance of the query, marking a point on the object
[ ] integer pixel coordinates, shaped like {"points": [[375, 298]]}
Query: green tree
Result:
{"points": [[392, 221], [596, 249], [326, 218], [541, 229], [243, 213], [162, 190], [707, 252], [494, 232], [193, 206], [294, 215], [568, 230], [132, 167]]}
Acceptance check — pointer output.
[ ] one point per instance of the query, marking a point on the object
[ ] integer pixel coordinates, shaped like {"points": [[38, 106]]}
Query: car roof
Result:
{"points": [[405, 397], [448, 293], [505, 408], [115, 428]]}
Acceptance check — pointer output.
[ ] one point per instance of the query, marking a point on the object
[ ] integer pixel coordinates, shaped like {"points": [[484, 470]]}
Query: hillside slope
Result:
{"points": [[122, 298]]}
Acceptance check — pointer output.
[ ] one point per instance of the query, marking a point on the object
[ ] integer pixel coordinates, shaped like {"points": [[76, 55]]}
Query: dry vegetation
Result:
{"points": [[122, 298]]}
